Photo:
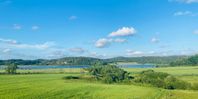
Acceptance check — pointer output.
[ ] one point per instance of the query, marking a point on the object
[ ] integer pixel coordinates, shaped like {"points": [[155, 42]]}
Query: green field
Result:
{"points": [[51, 85]]}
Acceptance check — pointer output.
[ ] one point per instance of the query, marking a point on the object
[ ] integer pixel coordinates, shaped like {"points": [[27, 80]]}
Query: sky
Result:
{"points": [[48, 29]]}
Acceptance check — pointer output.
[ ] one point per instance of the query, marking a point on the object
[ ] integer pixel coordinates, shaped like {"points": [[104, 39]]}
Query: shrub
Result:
{"points": [[162, 80], [109, 73], [194, 86], [71, 77], [11, 68], [173, 83]]}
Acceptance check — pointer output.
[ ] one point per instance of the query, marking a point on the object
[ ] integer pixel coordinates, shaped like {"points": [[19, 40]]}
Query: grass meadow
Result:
{"points": [[48, 84]]}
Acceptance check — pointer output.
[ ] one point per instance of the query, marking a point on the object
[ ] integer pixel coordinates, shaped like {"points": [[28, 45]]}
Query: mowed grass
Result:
{"points": [[50, 85]]}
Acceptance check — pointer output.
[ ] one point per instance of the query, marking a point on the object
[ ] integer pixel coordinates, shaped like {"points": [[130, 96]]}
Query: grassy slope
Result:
{"points": [[41, 86]]}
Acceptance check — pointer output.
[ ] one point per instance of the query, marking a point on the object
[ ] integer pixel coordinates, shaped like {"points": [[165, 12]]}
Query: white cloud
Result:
{"points": [[35, 27], [185, 1], [119, 40], [185, 13], [134, 53], [43, 46], [73, 17], [15, 44], [77, 50], [6, 50], [125, 31], [181, 13], [155, 40], [8, 41], [103, 42], [17, 27], [195, 32]]}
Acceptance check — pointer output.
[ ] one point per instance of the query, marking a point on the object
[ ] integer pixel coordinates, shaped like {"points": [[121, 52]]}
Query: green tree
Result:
{"points": [[162, 80], [11, 68], [109, 73]]}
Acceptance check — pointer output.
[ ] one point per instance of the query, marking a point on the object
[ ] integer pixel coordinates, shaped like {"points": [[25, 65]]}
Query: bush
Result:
{"points": [[11, 68], [194, 86], [173, 83], [162, 80], [71, 77], [109, 73]]}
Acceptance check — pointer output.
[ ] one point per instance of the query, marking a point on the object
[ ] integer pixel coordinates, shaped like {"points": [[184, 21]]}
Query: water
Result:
{"points": [[137, 66], [78, 66], [47, 67]]}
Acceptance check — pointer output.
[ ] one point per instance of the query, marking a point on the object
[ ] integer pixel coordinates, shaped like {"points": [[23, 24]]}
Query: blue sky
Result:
{"points": [[32, 29]]}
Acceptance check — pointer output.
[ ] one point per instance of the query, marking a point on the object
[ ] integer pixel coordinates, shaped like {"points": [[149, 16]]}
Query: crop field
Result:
{"points": [[50, 85]]}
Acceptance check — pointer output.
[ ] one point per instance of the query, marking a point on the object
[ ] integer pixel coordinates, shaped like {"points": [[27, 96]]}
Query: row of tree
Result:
{"points": [[91, 61], [164, 60], [192, 61], [61, 61]]}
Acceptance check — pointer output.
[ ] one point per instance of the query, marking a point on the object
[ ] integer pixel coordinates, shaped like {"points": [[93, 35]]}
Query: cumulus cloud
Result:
{"points": [[134, 53], [77, 50], [8, 41], [155, 40], [185, 1], [122, 32], [17, 27], [103, 42], [73, 17], [35, 27], [125, 31]]}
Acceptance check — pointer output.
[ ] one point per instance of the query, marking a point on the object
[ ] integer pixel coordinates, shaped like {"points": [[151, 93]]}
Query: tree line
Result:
{"points": [[165, 60], [188, 61]]}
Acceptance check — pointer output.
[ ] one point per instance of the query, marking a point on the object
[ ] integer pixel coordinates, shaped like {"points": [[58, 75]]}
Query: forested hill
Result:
{"points": [[61, 61], [147, 59], [90, 61], [189, 61]]}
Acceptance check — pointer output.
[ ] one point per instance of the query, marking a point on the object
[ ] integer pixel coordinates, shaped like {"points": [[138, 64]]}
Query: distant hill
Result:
{"points": [[90, 60], [191, 60], [61, 61], [147, 59]]}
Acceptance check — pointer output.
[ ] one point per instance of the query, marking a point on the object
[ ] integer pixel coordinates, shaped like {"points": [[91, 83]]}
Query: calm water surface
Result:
{"points": [[78, 66]]}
